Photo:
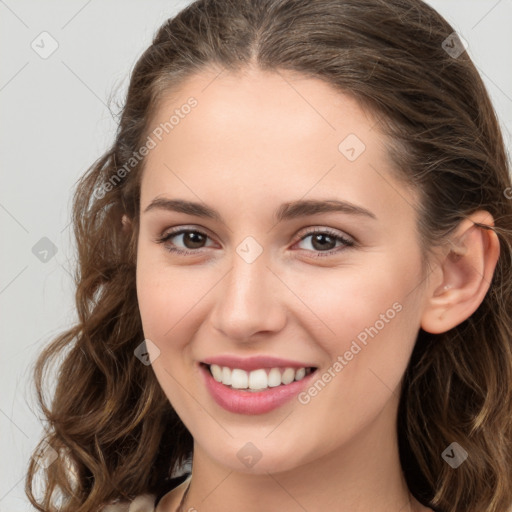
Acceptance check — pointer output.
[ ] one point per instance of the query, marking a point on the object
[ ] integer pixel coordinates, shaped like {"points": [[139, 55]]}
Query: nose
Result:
{"points": [[249, 301]]}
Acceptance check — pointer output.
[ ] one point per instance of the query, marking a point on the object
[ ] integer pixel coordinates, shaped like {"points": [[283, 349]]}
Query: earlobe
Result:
{"points": [[467, 271]]}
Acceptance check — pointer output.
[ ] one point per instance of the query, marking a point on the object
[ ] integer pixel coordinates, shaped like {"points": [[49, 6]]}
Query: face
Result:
{"points": [[317, 309]]}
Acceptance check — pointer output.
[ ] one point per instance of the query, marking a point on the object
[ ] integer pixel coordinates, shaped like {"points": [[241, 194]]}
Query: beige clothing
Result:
{"points": [[142, 503]]}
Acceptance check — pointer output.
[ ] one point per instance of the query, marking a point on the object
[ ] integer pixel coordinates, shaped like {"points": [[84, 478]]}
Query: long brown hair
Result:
{"points": [[109, 422]]}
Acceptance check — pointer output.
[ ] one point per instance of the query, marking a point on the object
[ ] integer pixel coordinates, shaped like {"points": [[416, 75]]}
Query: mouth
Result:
{"points": [[255, 391], [259, 379]]}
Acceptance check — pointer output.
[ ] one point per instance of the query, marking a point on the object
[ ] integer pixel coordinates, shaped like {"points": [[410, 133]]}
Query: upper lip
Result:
{"points": [[254, 362]]}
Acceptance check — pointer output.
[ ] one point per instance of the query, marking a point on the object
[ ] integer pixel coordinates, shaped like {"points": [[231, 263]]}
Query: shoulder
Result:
{"points": [[142, 503], [149, 502], [172, 499]]}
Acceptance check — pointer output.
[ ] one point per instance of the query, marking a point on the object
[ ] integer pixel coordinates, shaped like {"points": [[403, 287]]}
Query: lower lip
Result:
{"points": [[252, 402]]}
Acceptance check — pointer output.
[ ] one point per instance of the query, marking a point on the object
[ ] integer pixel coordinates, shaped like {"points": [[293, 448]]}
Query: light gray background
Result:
{"points": [[55, 123]]}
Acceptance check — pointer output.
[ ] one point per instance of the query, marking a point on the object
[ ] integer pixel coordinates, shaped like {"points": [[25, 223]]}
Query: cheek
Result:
{"points": [[369, 323], [166, 295], [350, 303]]}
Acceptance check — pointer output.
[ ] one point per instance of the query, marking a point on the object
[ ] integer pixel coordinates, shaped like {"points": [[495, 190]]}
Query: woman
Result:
{"points": [[294, 274]]}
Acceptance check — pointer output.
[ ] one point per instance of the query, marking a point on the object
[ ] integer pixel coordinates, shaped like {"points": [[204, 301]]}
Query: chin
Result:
{"points": [[259, 458]]}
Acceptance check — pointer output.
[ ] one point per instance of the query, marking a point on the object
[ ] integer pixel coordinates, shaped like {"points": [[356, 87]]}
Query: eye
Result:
{"points": [[323, 241], [192, 239]]}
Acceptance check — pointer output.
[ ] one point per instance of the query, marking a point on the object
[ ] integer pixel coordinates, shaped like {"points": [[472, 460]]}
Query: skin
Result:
{"points": [[254, 141]]}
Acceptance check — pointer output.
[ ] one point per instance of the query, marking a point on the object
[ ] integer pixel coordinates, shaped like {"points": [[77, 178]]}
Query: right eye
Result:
{"points": [[192, 239]]}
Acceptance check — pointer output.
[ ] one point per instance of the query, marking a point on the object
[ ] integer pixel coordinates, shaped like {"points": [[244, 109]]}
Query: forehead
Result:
{"points": [[268, 135], [264, 107]]}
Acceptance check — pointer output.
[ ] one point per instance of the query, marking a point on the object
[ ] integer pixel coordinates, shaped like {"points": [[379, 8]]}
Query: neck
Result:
{"points": [[363, 474]]}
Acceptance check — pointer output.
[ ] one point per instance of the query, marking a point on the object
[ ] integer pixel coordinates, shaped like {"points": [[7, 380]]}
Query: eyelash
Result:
{"points": [[325, 231]]}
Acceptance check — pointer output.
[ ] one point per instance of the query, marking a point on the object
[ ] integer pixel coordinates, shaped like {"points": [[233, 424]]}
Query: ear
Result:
{"points": [[465, 274], [127, 223]]}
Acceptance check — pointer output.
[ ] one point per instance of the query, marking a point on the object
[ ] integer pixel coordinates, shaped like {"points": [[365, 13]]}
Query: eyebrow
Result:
{"points": [[286, 211]]}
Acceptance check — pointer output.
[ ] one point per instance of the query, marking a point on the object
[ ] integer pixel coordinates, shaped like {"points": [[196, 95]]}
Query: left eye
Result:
{"points": [[323, 241]]}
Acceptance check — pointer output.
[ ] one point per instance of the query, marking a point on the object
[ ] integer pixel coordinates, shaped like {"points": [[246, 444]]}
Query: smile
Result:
{"points": [[259, 379], [259, 388]]}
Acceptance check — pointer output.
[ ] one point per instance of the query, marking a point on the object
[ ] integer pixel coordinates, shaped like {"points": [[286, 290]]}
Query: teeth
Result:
{"points": [[257, 379], [288, 376], [274, 378], [226, 376], [216, 372], [239, 379], [300, 373]]}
